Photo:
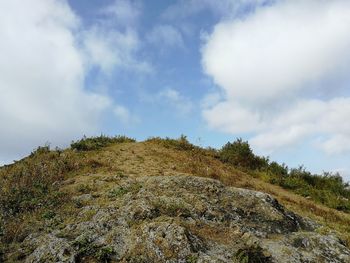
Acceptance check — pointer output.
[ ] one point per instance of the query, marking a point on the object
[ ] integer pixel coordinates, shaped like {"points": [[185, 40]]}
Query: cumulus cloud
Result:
{"points": [[113, 42], [170, 99], [122, 12], [223, 8], [166, 36], [171, 96], [110, 49], [124, 115], [272, 67], [43, 65]]}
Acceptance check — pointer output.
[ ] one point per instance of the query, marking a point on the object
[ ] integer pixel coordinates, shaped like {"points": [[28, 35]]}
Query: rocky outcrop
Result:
{"points": [[185, 219]]}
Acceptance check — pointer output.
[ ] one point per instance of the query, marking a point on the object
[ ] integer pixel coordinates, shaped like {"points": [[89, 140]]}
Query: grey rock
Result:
{"points": [[188, 219]]}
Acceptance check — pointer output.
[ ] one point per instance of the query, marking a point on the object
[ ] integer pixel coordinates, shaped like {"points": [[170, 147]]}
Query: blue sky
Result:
{"points": [[212, 70]]}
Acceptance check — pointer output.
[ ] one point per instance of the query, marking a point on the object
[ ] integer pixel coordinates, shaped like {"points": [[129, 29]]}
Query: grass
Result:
{"points": [[34, 182], [95, 143], [328, 189], [41, 186]]}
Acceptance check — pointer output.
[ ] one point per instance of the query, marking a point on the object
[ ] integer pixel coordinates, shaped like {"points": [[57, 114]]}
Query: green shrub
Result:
{"points": [[293, 183], [95, 143], [328, 189], [181, 143], [241, 155], [277, 169]]}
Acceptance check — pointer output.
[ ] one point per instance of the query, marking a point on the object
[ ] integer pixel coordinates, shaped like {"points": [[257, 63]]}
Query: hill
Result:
{"points": [[162, 200]]}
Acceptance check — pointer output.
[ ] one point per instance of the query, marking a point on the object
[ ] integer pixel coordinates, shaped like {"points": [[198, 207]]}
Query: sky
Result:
{"points": [[273, 72]]}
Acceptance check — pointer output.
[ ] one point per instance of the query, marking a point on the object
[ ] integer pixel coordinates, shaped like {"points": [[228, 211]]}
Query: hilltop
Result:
{"points": [[163, 200]]}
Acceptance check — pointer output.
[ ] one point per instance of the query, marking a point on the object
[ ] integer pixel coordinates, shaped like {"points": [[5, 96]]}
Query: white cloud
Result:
{"points": [[124, 115], [223, 8], [42, 71], [269, 65], [113, 42], [123, 12], [337, 144], [166, 36], [169, 99], [110, 49], [210, 100], [171, 96]]}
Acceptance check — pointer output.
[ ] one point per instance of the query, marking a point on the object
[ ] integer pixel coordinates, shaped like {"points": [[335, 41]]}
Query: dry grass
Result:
{"points": [[96, 172]]}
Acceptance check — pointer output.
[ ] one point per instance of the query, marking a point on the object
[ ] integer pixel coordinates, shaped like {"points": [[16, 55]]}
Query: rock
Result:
{"points": [[51, 249], [187, 219]]}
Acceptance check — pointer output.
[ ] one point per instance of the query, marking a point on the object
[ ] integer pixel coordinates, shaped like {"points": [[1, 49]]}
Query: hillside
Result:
{"points": [[157, 201]]}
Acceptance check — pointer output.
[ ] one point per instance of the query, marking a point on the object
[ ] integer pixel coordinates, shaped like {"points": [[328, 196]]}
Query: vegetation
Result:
{"points": [[95, 143], [328, 189], [252, 254], [87, 249], [33, 182], [241, 155], [34, 189], [181, 143]]}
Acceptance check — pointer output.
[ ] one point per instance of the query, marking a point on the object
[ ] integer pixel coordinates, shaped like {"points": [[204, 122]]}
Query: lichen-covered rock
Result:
{"points": [[186, 219]]}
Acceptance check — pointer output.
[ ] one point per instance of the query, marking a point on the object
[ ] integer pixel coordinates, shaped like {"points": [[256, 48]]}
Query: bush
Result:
{"points": [[32, 182], [277, 169], [328, 189], [240, 154], [95, 143], [181, 143]]}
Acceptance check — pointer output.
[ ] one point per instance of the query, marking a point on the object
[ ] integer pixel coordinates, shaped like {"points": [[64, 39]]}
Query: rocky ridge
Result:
{"points": [[182, 218]]}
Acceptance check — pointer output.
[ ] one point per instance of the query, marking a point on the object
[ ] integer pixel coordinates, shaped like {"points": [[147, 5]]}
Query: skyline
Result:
{"points": [[275, 73]]}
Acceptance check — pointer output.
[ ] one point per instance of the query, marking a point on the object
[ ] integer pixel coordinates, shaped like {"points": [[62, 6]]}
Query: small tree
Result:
{"points": [[240, 154]]}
